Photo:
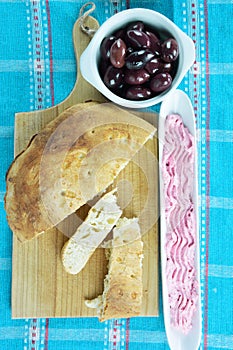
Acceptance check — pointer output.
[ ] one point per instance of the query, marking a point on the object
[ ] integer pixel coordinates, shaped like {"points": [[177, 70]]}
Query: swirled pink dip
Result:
{"points": [[178, 177]]}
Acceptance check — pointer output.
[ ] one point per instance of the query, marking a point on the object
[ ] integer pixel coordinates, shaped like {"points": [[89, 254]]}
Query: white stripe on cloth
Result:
{"points": [[69, 66], [216, 135], [221, 68], [21, 66], [14, 66], [6, 131], [2, 194], [218, 68], [220, 2], [220, 341], [221, 271], [220, 202], [11, 333], [62, 65], [216, 202], [5, 264]]}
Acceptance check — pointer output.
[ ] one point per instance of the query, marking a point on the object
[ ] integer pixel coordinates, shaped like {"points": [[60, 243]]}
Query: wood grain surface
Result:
{"points": [[40, 285]]}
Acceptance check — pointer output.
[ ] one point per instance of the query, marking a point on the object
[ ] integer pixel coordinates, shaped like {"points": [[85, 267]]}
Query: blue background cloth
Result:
{"points": [[209, 85]]}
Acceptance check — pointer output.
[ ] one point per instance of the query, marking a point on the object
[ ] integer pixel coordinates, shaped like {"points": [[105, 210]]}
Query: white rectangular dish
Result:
{"points": [[179, 103]]}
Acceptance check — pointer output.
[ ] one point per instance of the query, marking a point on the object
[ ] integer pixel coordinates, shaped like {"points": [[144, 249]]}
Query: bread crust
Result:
{"points": [[71, 160], [122, 296]]}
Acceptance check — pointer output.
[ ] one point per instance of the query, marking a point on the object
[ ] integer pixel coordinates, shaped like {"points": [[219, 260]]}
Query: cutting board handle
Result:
{"points": [[82, 90], [81, 41]]}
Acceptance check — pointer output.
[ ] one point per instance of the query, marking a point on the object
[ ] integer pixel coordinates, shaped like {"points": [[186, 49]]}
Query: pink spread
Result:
{"points": [[178, 176]]}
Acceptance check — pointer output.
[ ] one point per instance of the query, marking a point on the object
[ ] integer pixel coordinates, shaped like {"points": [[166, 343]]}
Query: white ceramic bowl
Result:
{"points": [[91, 56]]}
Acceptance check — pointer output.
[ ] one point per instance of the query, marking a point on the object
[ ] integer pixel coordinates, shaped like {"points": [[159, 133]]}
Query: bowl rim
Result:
{"points": [[90, 72]]}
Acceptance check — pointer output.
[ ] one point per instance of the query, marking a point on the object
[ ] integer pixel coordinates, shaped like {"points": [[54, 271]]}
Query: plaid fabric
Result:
{"points": [[37, 70]]}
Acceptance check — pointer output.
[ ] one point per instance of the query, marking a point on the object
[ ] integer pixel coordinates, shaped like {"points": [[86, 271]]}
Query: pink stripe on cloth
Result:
{"points": [[33, 334], [39, 329], [127, 333], [46, 342]]}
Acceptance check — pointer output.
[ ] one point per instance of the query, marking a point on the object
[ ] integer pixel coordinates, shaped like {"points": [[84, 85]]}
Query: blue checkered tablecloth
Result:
{"points": [[43, 28]]}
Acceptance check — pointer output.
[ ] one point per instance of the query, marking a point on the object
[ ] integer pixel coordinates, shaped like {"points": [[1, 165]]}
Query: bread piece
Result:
{"points": [[122, 295], [89, 235], [69, 162]]}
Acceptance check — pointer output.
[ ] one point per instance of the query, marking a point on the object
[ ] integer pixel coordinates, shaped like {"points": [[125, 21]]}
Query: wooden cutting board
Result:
{"points": [[40, 286]]}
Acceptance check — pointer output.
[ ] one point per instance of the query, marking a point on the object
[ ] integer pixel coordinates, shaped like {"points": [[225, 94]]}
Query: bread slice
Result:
{"points": [[122, 295], [75, 157], [89, 235]]}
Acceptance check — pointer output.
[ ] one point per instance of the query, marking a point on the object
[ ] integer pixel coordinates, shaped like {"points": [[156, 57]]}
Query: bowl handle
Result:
{"points": [[190, 51], [87, 68]]}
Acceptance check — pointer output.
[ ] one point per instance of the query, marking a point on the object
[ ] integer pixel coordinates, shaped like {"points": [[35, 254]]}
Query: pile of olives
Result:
{"points": [[136, 63]]}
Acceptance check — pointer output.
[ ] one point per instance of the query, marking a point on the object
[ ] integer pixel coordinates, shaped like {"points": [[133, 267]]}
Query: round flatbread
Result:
{"points": [[75, 157]]}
